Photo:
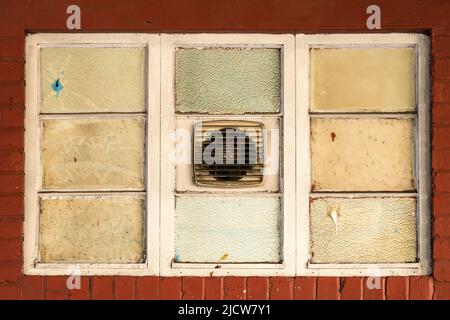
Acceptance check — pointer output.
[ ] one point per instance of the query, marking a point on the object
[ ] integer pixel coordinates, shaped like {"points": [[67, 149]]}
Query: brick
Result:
{"points": [[11, 160], [441, 159], [257, 288], [147, 288], [441, 205], [12, 116], [281, 288], [441, 227], [10, 249], [10, 272], [328, 288], [11, 206], [441, 114], [102, 288], [441, 248], [12, 92], [11, 183], [441, 69], [351, 288], [124, 288], [234, 288], [170, 288], [441, 291], [12, 138], [442, 181], [11, 70], [213, 288], [441, 270], [11, 292], [441, 47], [420, 288], [11, 228], [305, 288], [12, 47], [192, 288], [373, 288], [83, 293], [441, 91], [33, 288], [56, 288], [397, 288]]}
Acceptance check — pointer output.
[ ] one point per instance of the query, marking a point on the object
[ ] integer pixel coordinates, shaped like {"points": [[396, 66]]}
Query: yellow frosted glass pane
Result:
{"points": [[92, 80], [89, 154], [362, 154], [227, 80], [227, 229], [353, 80], [91, 229], [363, 230]]}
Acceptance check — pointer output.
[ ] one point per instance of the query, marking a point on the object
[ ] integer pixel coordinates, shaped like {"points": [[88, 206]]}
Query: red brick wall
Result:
{"points": [[17, 17]]}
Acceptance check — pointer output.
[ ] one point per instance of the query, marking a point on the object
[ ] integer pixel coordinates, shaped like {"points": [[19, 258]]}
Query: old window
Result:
{"points": [[363, 207], [227, 154], [237, 223], [91, 192]]}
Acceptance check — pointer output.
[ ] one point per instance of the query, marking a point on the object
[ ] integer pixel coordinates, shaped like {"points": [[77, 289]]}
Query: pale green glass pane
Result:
{"points": [[92, 80], [90, 154], [362, 154], [91, 229], [363, 230], [227, 80], [363, 80], [227, 229]]}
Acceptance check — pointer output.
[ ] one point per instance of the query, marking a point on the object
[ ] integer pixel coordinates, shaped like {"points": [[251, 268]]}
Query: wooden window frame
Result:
{"points": [[160, 169], [33, 169], [304, 43]]}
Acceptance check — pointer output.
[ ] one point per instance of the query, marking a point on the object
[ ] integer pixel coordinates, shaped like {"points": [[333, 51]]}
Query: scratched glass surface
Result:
{"points": [[77, 80], [227, 229], [91, 229], [363, 230], [89, 154]]}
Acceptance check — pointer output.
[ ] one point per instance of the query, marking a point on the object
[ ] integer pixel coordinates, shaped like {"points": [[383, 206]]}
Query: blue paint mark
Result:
{"points": [[57, 86]]}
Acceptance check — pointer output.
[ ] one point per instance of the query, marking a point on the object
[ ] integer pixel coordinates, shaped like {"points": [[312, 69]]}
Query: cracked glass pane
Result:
{"points": [[91, 229], [82, 80], [90, 154], [363, 230], [227, 80], [227, 229]]}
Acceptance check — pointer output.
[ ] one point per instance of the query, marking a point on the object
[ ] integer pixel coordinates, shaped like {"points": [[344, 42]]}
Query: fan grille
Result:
{"points": [[228, 153]]}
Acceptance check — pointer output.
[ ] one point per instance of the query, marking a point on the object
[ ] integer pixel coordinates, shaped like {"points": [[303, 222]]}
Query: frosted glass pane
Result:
{"points": [[89, 154], [351, 80], [227, 80], [227, 229], [91, 229], [363, 230], [92, 80], [362, 154]]}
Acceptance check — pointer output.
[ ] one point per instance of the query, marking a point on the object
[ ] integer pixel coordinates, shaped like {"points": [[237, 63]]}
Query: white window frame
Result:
{"points": [[33, 132], [160, 169], [304, 43], [287, 164]]}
